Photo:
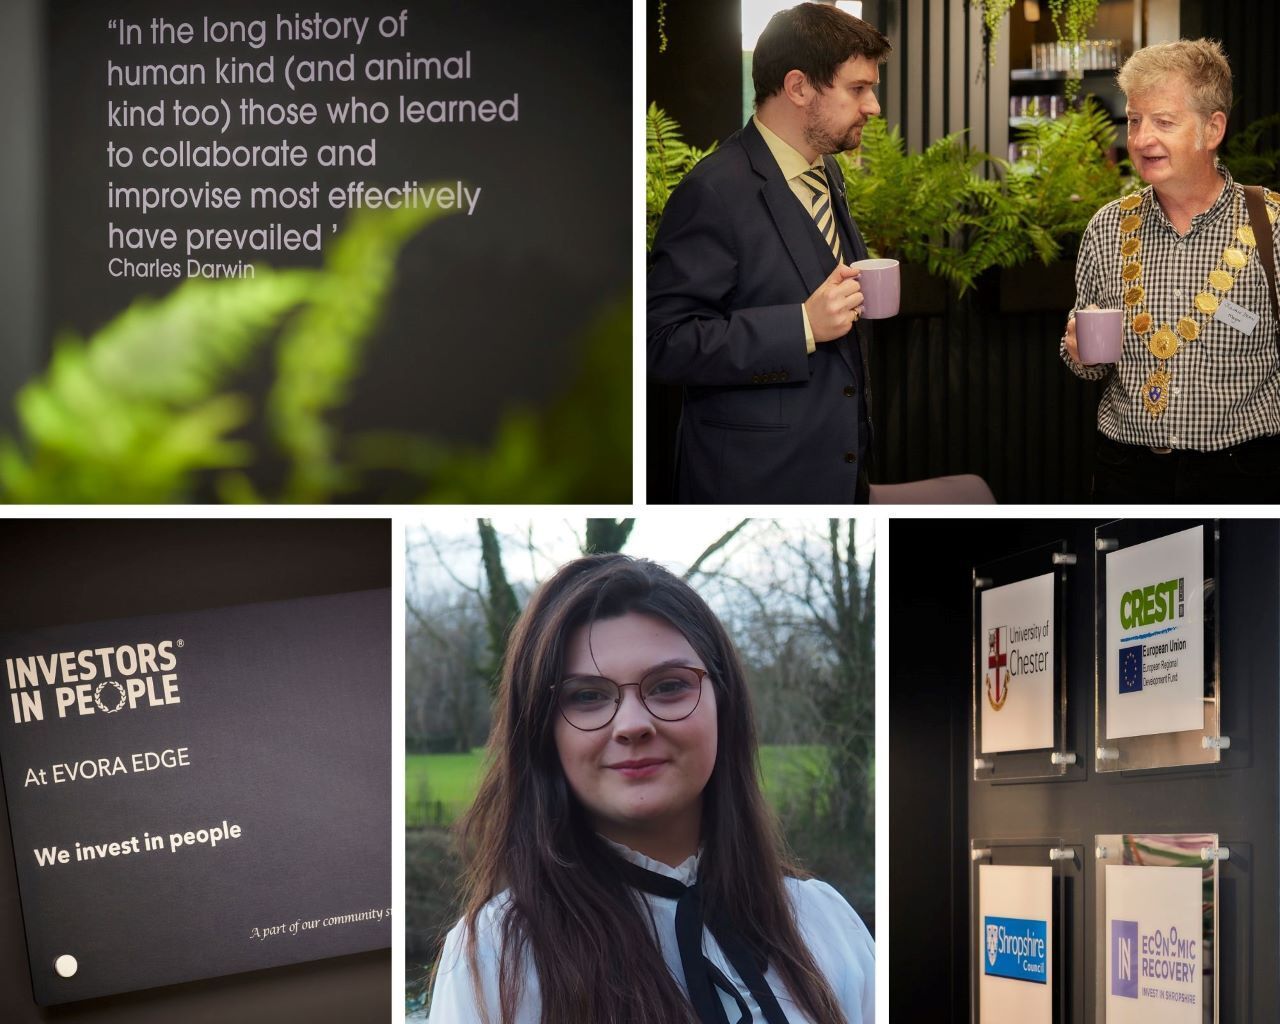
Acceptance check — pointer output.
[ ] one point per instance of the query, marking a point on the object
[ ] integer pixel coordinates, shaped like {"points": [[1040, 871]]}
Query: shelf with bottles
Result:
{"points": [[1059, 59]]}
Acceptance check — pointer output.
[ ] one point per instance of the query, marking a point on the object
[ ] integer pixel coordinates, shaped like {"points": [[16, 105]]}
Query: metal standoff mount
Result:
{"points": [[1060, 757], [1062, 853], [1215, 742], [65, 966], [982, 764], [1108, 754], [1215, 853], [979, 582], [1101, 852], [1105, 544], [979, 853], [1064, 558]]}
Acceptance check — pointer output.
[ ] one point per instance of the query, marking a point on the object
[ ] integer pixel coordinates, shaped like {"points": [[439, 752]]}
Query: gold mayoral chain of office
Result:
{"points": [[1165, 342]]}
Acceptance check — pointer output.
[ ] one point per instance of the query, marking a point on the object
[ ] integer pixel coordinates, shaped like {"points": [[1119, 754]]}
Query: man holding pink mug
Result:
{"points": [[754, 308], [1176, 305]]}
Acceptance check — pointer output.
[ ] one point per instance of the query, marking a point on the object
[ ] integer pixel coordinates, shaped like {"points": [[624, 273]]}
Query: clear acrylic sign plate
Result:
{"points": [[1156, 951], [1023, 892], [1156, 666], [1020, 726]]}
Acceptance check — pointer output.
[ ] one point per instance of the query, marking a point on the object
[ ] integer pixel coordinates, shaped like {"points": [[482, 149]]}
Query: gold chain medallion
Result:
{"points": [[1165, 343], [1221, 280], [1207, 303], [1155, 392]]}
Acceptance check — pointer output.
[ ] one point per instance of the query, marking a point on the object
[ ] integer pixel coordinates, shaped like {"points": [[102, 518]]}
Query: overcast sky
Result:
{"points": [[675, 539]]}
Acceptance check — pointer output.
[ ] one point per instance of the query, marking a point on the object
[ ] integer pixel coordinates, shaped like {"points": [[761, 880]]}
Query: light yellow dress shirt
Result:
{"points": [[792, 164]]}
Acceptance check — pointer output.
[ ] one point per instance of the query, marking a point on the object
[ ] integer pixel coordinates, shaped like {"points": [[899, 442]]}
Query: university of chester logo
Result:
{"points": [[997, 667]]}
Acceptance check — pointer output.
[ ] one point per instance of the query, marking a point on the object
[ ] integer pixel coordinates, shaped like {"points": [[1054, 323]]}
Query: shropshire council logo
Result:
{"points": [[1017, 949], [998, 667]]}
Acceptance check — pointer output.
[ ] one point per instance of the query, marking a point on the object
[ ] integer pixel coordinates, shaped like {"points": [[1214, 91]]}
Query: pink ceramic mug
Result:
{"points": [[879, 280], [1099, 335]]}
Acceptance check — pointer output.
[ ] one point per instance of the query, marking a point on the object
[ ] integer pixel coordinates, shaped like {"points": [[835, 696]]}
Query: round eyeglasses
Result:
{"points": [[671, 693]]}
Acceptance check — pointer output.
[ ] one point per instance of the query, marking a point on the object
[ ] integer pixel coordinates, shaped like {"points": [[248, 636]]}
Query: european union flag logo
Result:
{"points": [[1131, 669]]}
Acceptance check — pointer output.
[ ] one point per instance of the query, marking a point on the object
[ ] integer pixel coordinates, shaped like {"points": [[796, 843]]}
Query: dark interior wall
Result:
{"points": [[65, 571], [698, 78], [21, 128], [1250, 33], [937, 80], [935, 807]]}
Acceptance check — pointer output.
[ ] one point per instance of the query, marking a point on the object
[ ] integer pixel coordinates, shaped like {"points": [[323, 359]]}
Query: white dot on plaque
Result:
{"points": [[65, 965]]}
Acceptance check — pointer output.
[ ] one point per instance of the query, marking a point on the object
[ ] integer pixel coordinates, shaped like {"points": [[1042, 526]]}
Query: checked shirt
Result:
{"points": [[1226, 384]]}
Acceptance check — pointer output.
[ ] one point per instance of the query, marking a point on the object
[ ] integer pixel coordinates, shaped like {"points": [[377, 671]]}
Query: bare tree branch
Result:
{"points": [[712, 548]]}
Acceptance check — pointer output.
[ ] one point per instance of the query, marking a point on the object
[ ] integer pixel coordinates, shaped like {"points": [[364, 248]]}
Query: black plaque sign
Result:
{"points": [[199, 794]]}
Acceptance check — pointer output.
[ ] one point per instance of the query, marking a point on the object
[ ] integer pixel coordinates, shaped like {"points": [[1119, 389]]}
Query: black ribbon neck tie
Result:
{"points": [[702, 978]]}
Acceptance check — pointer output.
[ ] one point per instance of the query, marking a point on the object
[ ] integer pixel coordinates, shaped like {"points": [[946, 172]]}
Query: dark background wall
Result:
{"points": [[935, 807], [570, 65], [66, 571], [21, 191]]}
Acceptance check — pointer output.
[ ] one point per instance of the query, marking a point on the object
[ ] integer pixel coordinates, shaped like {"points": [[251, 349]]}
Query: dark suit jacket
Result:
{"points": [[735, 257]]}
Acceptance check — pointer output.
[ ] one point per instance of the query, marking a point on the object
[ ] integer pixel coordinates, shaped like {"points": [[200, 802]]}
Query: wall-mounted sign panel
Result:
{"points": [[1021, 729], [1014, 944], [1157, 947], [1155, 636], [1157, 678], [197, 151], [1018, 629], [199, 794]]}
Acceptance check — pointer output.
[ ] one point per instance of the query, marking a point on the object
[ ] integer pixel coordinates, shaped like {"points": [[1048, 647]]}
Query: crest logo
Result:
{"points": [[993, 938], [997, 667]]}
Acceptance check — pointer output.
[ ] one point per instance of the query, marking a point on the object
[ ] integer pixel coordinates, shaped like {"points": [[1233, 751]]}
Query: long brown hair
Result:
{"points": [[567, 914]]}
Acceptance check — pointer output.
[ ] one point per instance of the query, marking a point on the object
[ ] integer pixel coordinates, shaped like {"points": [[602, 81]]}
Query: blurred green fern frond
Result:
{"points": [[147, 409], [142, 411], [131, 414], [321, 348]]}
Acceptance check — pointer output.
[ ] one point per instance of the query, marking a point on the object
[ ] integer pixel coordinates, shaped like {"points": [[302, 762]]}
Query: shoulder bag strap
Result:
{"points": [[1255, 203]]}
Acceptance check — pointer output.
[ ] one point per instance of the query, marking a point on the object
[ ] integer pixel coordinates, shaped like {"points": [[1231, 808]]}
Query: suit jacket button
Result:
{"points": [[848, 391], [755, 378], [782, 375], [850, 457]]}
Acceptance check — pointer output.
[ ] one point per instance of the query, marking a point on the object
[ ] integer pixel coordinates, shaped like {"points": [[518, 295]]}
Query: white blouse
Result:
{"points": [[835, 935]]}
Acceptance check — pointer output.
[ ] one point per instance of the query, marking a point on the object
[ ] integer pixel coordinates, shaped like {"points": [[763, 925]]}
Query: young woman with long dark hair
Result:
{"points": [[623, 866]]}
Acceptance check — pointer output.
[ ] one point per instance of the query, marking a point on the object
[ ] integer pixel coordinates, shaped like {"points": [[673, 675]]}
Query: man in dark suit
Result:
{"points": [[752, 306]]}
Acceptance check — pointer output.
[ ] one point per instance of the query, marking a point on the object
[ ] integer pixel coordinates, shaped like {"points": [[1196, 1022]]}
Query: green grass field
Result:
{"points": [[439, 787]]}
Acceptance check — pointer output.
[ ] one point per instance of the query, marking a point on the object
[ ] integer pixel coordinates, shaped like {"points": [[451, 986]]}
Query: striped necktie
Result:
{"points": [[820, 207]]}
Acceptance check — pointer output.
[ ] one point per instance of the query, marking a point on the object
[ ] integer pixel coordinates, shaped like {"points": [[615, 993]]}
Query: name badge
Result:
{"points": [[1234, 315]]}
